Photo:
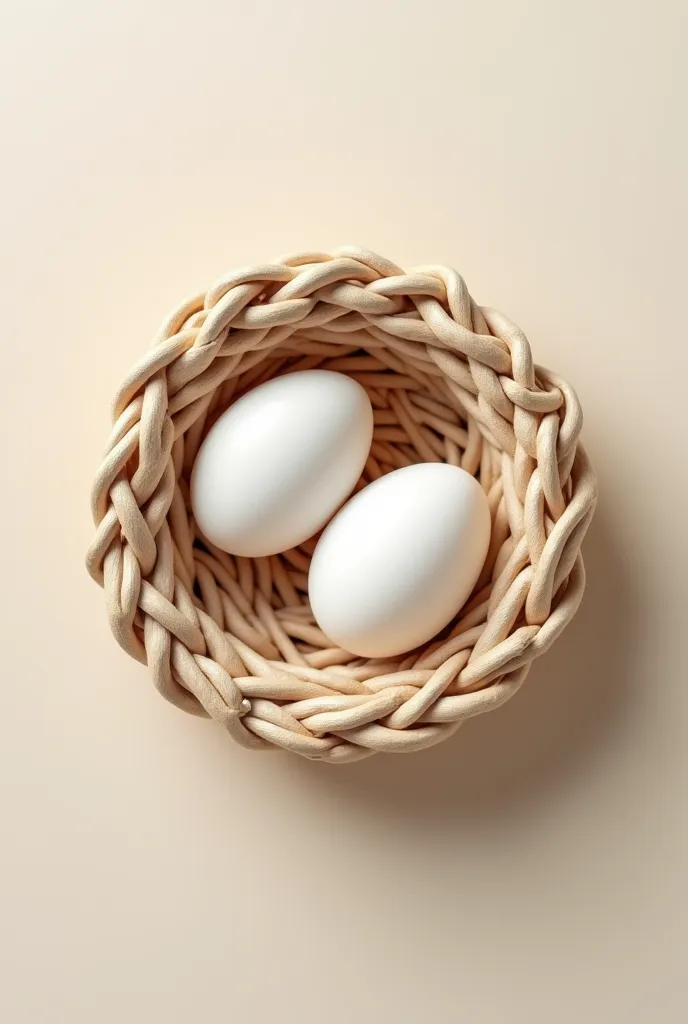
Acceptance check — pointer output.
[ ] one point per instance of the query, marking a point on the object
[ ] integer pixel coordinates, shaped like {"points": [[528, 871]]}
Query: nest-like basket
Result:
{"points": [[234, 638]]}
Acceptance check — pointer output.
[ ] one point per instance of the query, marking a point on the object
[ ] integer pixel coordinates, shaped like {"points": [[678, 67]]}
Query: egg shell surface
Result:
{"points": [[280, 461], [400, 559]]}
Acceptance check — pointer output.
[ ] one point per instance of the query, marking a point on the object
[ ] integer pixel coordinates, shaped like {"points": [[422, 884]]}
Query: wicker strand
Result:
{"points": [[235, 639]]}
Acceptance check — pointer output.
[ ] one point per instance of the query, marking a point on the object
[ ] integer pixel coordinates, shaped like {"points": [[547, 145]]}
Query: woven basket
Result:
{"points": [[450, 381]]}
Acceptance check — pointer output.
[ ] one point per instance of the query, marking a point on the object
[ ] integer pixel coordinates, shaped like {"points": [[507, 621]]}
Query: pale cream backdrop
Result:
{"points": [[532, 870]]}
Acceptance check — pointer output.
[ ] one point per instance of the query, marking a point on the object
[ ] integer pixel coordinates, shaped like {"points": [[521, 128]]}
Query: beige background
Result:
{"points": [[530, 870]]}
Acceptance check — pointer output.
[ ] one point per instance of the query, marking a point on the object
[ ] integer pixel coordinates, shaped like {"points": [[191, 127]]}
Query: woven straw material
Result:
{"points": [[449, 380]]}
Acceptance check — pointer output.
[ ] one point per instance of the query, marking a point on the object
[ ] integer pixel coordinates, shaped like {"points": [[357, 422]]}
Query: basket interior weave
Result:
{"points": [[449, 381]]}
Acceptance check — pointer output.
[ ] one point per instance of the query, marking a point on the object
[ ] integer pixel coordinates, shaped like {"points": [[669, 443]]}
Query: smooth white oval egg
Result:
{"points": [[397, 563], [279, 462]]}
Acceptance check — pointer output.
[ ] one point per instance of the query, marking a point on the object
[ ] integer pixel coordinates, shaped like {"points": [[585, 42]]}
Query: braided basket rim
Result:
{"points": [[232, 638]]}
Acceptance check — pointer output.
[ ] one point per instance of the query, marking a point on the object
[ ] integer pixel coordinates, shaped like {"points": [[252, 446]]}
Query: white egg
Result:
{"points": [[279, 462], [398, 562]]}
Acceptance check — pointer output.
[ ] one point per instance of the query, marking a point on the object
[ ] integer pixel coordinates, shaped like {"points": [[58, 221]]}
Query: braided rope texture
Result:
{"points": [[234, 638]]}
